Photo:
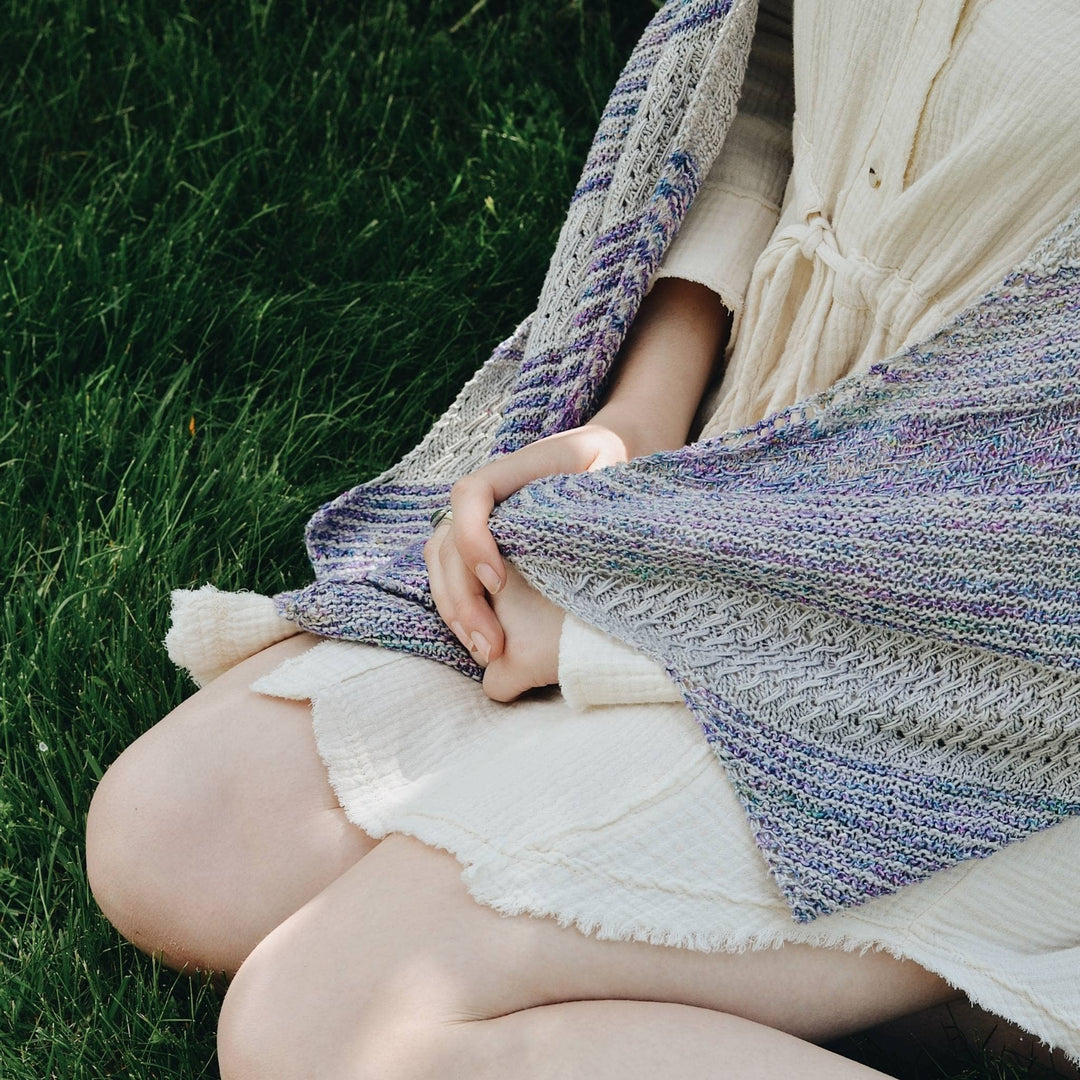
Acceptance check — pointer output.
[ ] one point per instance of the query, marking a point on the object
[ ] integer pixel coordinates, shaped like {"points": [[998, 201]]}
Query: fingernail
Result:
{"points": [[488, 578], [481, 647], [459, 631]]}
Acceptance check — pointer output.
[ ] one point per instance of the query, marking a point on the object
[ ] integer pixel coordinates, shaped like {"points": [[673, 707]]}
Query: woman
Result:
{"points": [[614, 916]]}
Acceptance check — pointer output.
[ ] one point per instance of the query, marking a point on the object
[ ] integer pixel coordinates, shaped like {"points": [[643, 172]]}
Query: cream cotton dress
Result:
{"points": [[933, 145]]}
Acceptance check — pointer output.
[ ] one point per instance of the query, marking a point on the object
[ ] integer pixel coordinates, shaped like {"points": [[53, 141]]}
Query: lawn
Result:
{"points": [[249, 251]]}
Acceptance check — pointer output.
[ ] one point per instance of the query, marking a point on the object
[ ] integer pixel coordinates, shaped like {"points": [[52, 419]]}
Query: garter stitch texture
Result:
{"points": [[870, 601]]}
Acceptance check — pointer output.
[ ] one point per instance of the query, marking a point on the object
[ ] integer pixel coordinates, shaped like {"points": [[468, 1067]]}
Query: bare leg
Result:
{"points": [[393, 971], [218, 823]]}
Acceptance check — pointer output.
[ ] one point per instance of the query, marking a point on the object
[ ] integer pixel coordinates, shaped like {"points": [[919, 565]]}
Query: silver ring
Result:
{"points": [[444, 513]]}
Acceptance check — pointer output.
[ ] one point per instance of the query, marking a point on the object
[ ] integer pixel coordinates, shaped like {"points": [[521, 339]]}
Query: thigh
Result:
{"points": [[219, 822], [396, 948]]}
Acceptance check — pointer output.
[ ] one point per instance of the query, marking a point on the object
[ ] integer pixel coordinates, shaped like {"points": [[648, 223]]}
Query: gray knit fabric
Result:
{"points": [[871, 601]]}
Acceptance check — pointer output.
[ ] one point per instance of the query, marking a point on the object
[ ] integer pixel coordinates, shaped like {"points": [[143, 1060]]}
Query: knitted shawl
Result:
{"points": [[870, 601]]}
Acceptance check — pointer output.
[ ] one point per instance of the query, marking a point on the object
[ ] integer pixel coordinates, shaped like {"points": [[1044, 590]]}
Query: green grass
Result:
{"points": [[249, 251]]}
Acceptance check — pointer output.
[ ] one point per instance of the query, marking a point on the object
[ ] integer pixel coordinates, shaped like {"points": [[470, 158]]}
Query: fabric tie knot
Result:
{"points": [[815, 239]]}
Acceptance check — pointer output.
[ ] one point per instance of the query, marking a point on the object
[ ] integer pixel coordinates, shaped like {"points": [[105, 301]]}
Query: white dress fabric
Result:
{"points": [[917, 178]]}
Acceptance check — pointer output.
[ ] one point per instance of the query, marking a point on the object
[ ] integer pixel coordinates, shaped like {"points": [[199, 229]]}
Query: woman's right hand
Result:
{"points": [[464, 564]]}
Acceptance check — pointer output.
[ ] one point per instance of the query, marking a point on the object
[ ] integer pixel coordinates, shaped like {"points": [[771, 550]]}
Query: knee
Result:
{"points": [[277, 1026], [144, 815], [264, 1033], [119, 843], [389, 1004]]}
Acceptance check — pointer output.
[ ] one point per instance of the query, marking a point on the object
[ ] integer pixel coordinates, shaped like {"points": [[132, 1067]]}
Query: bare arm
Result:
{"points": [[660, 376], [664, 366]]}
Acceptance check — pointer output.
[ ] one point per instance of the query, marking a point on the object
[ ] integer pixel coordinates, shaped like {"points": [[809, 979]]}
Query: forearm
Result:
{"points": [[664, 366], [660, 377]]}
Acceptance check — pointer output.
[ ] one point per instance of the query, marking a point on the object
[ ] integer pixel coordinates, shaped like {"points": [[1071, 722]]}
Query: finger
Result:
{"points": [[460, 600], [474, 496], [473, 499], [440, 593], [437, 586], [466, 606]]}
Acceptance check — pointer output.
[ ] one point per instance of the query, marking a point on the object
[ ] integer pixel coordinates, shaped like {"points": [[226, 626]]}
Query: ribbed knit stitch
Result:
{"points": [[870, 601]]}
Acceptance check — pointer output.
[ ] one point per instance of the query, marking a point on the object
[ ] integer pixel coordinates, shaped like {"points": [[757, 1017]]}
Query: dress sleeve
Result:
{"points": [[597, 669], [737, 207]]}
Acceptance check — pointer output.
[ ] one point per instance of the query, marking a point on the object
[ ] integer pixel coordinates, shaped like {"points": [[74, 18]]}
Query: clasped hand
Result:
{"points": [[511, 629]]}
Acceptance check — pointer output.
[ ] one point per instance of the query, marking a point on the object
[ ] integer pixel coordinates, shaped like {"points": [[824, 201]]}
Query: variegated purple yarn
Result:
{"points": [[871, 601]]}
